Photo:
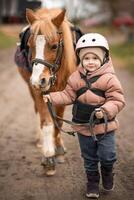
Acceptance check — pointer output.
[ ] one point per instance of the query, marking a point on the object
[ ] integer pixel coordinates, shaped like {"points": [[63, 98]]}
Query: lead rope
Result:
{"points": [[55, 117], [90, 124]]}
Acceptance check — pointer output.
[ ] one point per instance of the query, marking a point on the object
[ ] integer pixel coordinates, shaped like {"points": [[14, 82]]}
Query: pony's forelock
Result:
{"points": [[44, 27]]}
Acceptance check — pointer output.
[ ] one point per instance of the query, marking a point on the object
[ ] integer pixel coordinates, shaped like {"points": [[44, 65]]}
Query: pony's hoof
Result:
{"points": [[60, 159], [60, 150], [49, 165], [50, 172]]}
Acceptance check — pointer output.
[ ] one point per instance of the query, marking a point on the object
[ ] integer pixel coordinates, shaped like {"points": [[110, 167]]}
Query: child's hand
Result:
{"points": [[46, 98], [99, 114]]}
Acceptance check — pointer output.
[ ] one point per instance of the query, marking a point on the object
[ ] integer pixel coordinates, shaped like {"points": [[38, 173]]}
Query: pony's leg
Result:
{"points": [[48, 149], [38, 133], [38, 128], [46, 135], [60, 148], [45, 126], [25, 74]]}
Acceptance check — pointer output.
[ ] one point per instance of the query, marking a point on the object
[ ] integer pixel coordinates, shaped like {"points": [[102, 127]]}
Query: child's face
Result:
{"points": [[91, 62]]}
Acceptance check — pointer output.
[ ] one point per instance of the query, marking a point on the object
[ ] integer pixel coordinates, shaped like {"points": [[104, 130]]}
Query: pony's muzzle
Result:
{"points": [[34, 83]]}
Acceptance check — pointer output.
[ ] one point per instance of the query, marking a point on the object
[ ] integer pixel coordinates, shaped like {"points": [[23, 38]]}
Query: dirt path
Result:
{"points": [[21, 175]]}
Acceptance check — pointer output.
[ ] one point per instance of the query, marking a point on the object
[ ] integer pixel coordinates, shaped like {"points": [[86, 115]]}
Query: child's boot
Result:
{"points": [[93, 184], [107, 178]]}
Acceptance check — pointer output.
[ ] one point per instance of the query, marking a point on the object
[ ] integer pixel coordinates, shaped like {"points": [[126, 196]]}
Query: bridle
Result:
{"points": [[53, 67]]}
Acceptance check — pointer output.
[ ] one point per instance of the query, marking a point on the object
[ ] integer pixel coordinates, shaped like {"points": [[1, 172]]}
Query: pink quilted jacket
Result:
{"points": [[112, 104]]}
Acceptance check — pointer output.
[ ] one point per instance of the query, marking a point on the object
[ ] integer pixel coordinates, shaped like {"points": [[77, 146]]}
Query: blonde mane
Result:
{"points": [[43, 25]]}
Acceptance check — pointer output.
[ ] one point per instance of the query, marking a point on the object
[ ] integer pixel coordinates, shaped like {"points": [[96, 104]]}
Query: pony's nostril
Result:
{"points": [[42, 81]]}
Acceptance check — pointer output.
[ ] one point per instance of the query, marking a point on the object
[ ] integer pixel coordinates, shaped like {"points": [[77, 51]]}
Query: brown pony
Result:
{"points": [[53, 60]]}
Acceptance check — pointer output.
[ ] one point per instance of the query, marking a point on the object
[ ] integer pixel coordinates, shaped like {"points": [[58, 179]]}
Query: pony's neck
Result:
{"points": [[68, 62], [70, 58]]}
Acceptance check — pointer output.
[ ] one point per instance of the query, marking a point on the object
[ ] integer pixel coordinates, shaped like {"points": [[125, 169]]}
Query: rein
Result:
{"points": [[90, 124]]}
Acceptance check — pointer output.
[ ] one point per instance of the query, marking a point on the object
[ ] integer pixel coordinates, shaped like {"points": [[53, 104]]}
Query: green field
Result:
{"points": [[125, 53], [6, 41]]}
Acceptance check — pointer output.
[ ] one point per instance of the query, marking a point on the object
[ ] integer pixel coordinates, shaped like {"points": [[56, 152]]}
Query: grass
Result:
{"points": [[124, 52], [6, 41]]}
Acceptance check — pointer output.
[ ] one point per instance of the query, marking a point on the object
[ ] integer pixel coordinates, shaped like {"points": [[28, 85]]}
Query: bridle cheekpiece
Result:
{"points": [[53, 67]]}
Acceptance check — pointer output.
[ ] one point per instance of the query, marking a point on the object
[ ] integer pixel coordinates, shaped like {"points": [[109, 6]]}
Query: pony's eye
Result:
{"points": [[53, 47]]}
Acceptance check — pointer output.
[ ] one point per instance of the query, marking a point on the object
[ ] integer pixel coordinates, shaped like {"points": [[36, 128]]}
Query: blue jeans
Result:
{"points": [[102, 151]]}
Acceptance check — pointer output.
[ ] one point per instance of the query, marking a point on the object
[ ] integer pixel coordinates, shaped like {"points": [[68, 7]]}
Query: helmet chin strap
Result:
{"points": [[86, 71]]}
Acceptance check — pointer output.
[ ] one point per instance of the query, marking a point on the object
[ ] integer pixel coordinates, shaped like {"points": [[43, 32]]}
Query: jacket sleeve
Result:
{"points": [[65, 97], [114, 98]]}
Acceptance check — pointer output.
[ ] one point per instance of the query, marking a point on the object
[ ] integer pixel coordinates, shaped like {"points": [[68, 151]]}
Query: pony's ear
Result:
{"points": [[59, 18], [30, 16]]}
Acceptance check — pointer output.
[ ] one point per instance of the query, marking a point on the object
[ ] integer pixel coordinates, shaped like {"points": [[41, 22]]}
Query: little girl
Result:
{"points": [[94, 86]]}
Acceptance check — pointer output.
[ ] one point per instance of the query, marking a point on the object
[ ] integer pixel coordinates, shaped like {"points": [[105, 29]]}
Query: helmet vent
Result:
{"points": [[93, 40]]}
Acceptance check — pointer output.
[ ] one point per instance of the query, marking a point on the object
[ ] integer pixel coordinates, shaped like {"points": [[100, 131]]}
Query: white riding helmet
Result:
{"points": [[92, 40]]}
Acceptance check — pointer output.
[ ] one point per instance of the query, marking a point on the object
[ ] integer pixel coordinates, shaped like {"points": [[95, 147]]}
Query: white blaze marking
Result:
{"points": [[37, 69], [40, 42], [48, 140]]}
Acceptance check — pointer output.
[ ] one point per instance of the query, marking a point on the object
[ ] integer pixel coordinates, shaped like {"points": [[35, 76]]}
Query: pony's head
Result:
{"points": [[46, 44]]}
